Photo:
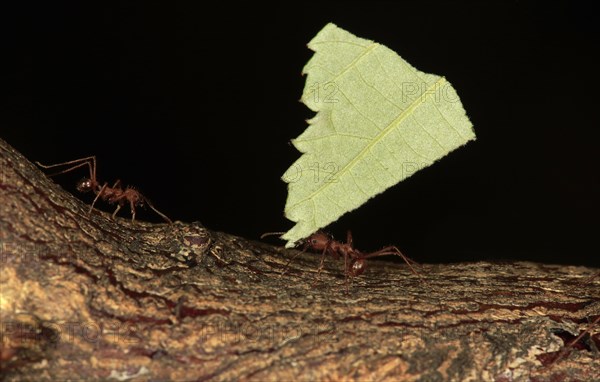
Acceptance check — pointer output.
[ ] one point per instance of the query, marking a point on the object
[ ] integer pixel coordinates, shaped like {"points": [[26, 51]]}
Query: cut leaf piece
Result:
{"points": [[378, 121]]}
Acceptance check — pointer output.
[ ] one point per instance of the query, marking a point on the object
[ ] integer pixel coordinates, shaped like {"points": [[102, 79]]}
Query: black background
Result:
{"points": [[195, 105]]}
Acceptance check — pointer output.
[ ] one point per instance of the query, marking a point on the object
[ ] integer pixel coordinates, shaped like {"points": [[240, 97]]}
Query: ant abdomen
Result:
{"points": [[357, 267]]}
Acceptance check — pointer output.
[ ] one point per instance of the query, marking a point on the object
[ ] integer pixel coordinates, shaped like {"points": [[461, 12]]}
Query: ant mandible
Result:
{"points": [[354, 260], [115, 194]]}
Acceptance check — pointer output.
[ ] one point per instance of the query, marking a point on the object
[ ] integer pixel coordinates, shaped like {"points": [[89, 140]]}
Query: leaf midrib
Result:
{"points": [[396, 122]]}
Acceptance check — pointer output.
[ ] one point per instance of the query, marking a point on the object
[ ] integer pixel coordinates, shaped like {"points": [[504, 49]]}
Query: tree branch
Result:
{"points": [[87, 297]]}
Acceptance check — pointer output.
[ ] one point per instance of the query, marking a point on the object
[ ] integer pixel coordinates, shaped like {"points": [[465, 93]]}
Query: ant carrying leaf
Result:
{"points": [[112, 195], [354, 259]]}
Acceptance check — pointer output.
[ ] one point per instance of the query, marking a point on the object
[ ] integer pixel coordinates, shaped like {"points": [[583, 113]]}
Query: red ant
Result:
{"points": [[354, 260], [566, 350], [112, 195], [571, 345], [592, 277]]}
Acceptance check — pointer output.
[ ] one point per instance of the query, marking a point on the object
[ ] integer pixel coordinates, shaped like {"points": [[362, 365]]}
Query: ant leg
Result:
{"points": [[392, 250], [116, 210], [350, 259], [350, 242], [289, 262], [117, 183], [132, 206], [97, 196], [346, 270], [591, 278], [322, 263], [304, 248], [565, 350]]}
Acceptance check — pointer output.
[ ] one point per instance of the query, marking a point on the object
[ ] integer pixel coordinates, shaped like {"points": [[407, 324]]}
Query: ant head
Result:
{"points": [[85, 185], [317, 241]]}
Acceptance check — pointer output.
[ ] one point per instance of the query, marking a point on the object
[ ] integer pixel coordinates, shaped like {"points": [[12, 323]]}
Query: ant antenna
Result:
{"points": [[158, 212], [270, 234], [89, 161]]}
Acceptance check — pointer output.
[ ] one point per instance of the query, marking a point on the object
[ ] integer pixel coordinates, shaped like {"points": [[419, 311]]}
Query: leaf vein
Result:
{"points": [[380, 136], [448, 122], [427, 131], [332, 135], [377, 90], [360, 112]]}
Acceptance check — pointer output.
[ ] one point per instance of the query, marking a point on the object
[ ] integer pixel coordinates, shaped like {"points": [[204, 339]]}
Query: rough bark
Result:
{"points": [[87, 297]]}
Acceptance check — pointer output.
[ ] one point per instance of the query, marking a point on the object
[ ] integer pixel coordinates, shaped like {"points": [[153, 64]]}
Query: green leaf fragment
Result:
{"points": [[378, 121]]}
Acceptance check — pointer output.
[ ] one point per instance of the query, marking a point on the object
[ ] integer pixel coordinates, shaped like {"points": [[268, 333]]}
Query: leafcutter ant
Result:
{"points": [[112, 195], [592, 277], [566, 350], [577, 341], [354, 259]]}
